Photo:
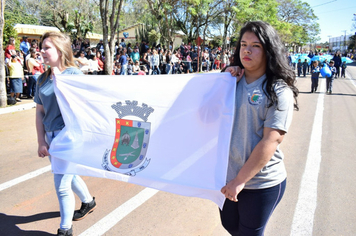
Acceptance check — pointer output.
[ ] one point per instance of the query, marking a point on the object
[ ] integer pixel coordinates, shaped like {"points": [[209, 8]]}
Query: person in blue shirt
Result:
{"points": [[329, 80], [123, 62], [24, 46], [57, 53], [154, 63], [315, 72], [343, 69], [305, 67], [299, 67], [123, 44]]}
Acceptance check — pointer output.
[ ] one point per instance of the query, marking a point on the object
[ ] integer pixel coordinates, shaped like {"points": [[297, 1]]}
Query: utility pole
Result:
{"points": [[329, 36]]}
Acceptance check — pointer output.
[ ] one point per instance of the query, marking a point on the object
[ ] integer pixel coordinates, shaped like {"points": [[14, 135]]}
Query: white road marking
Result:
{"points": [[348, 77], [303, 219], [109, 221], [25, 177]]}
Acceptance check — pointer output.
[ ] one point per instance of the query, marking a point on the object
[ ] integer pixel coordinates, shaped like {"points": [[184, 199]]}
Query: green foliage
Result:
{"points": [[216, 41], [153, 36], [352, 42], [142, 32], [13, 15], [300, 21], [246, 10], [9, 31], [233, 40]]}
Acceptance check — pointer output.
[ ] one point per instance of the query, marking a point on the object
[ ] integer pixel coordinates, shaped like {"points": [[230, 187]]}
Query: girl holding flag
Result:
{"points": [[57, 53], [265, 100]]}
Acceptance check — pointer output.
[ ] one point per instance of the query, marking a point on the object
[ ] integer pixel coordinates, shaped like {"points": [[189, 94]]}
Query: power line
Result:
{"points": [[337, 10], [323, 4]]}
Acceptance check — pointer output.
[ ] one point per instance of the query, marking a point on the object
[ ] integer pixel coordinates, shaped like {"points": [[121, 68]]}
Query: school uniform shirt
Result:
{"points": [[252, 115], [333, 71], [45, 96], [315, 71]]}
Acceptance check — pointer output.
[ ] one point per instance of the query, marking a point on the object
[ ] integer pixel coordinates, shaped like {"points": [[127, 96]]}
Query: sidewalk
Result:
{"points": [[25, 104]]}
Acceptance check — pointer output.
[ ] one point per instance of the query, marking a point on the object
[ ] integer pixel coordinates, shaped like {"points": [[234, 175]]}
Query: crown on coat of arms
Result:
{"points": [[131, 109]]}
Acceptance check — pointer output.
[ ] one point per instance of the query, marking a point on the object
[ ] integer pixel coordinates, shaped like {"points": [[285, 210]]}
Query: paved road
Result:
{"points": [[319, 199]]}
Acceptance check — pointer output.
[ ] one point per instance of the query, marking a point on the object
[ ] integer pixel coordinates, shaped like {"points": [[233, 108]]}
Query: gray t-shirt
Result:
{"points": [[251, 116], [46, 97]]}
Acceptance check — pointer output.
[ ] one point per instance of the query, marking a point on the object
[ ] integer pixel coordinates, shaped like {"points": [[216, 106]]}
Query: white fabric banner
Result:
{"points": [[167, 132]]}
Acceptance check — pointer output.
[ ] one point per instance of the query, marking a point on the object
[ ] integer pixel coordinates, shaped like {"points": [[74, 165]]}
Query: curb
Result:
{"points": [[17, 108]]}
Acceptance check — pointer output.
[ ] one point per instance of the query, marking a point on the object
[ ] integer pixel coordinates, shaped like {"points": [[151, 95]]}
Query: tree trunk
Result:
{"points": [[113, 21], [3, 97]]}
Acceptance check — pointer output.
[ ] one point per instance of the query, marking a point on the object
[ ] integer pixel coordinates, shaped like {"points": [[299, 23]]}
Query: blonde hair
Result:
{"points": [[62, 43]]}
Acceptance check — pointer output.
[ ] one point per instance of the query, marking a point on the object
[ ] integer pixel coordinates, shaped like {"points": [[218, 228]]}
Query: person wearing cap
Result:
{"points": [[24, 46], [135, 55]]}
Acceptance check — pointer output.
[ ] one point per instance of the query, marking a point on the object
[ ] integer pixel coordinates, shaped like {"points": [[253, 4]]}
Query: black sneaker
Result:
{"points": [[84, 210], [63, 232]]}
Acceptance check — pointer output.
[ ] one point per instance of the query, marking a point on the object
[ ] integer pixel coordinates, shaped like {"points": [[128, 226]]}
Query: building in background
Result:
{"points": [[339, 43], [36, 31]]}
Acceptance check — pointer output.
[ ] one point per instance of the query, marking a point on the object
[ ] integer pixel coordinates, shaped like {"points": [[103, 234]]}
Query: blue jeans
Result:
{"points": [[31, 86], [123, 69], [250, 214], [156, 70], [168, 68], [64, 184]]}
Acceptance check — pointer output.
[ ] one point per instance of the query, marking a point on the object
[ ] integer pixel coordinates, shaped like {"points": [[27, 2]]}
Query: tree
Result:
{"points": [[14, 14], [3, 97], [110, 15], [162, 11], [228, 16], [216, 41], [303, 27], [153, 36], [74, 17]]}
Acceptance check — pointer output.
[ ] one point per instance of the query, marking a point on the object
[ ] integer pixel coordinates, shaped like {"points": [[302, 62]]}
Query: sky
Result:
{"points": [[335, 16]]}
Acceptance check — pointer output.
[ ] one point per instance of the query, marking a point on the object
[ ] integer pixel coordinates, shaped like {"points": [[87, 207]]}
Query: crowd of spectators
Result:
{"points": [[23, 66], [143, 59]]}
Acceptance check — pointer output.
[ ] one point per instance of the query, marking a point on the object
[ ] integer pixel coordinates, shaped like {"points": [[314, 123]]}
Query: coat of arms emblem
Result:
{"points": [[128, 152]]}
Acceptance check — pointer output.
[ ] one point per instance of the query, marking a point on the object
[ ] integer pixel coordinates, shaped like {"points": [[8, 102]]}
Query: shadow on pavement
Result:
{"points": [[8, 224], [333, 94]]}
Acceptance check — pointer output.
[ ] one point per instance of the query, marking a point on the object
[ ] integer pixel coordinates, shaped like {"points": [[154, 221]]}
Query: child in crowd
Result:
{"points": [[117, 68], [299, 67], [329, 80], [315, 71], [129, 67], [343, 69], [305, 66], [136, 68]]}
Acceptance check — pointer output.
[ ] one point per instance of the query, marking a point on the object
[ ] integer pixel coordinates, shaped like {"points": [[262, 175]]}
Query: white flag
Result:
{"points": [[167, 132]]}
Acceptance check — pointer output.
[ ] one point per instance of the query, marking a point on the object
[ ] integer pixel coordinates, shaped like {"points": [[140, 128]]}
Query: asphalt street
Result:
{"points": [[319, 200]]}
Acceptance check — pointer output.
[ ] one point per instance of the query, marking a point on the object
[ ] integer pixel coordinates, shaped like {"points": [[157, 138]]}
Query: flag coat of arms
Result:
{"points": [[167, 132]]}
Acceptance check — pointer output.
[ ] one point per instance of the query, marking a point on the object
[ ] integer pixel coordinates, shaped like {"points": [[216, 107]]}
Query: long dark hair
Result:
{"points": [[277, 68]]}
